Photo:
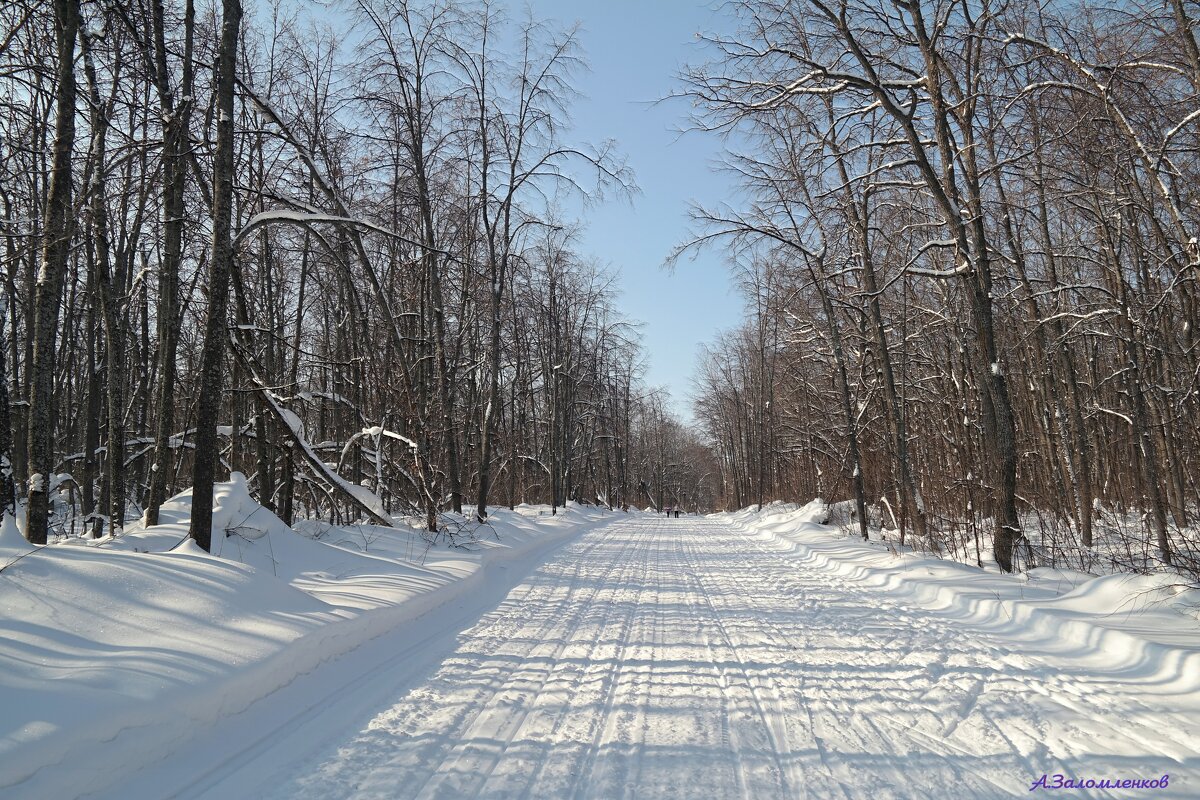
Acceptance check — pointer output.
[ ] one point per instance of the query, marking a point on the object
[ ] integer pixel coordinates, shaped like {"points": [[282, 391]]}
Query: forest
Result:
{"points": [[335, 461], [966, 237], [325, 251], [331, 251]]}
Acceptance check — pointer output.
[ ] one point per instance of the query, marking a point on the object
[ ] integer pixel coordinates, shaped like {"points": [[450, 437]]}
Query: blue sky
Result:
{"points": [[635, 48]]}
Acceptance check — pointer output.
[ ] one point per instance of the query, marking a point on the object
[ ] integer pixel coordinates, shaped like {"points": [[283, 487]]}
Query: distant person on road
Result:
{"points": [[668, 511], [676, 512]]}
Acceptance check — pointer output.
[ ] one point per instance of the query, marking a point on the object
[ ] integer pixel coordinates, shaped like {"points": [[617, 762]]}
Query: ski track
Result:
{"points": [[661, 658]]}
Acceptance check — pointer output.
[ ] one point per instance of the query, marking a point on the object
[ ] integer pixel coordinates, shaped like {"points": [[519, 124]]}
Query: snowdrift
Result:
{"points": [[1144, 627], [114, 653]]}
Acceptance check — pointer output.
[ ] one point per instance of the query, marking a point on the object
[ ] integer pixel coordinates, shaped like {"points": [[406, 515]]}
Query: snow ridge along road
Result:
{"points": [[659, 658]]}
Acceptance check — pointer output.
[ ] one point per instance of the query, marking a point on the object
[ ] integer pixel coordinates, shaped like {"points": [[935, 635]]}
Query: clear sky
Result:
{"points": [[635, 48]]}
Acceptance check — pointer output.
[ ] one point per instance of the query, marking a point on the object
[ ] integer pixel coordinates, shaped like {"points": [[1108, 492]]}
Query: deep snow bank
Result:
{"points": [[1144, 627], [114, 653]]}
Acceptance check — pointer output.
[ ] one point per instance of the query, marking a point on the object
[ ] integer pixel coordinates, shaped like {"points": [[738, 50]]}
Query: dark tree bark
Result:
{"points": [[221, 265], [56, 251], [100, 263], [176, 116]]}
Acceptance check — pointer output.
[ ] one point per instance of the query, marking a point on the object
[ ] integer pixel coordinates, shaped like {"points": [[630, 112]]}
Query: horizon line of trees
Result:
{"points": [[331, 261]]}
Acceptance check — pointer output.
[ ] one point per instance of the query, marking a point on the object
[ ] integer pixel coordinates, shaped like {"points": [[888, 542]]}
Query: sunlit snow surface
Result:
{"points": [[588, 655], [660, 658], [114, 654]]}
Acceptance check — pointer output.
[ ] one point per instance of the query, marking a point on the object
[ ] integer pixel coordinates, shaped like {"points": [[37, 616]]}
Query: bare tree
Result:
{"points": [[56, 232], [221, 265]]}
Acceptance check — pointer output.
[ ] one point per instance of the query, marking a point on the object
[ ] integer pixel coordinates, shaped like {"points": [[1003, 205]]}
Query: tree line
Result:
{"points": [[325, 252], [967, 237]]}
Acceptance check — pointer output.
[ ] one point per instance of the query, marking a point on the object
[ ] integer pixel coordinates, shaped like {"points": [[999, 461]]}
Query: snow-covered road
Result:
{"points": [[660, 658]]}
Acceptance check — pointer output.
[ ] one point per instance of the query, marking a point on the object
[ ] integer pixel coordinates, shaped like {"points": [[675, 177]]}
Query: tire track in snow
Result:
{"points": [[659, 659], [486, 738], [773, 740], [558, 765], [607, 764], [405, 744], [1035, 688]]}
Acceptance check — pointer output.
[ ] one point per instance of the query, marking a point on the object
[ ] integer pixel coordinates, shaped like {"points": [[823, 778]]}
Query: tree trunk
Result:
{"points": [[56, 250], [114, 336], [175, 144], [8, 485], [493, 395], [208, 405], [850, 418]]}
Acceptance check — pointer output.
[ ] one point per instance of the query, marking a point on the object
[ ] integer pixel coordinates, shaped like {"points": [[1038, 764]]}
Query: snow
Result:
{"points": [[366, 497], [749, 655], [12, 543], [376, 431], [293, 421], [586, 655], [1153, 620], [114, 653]]}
